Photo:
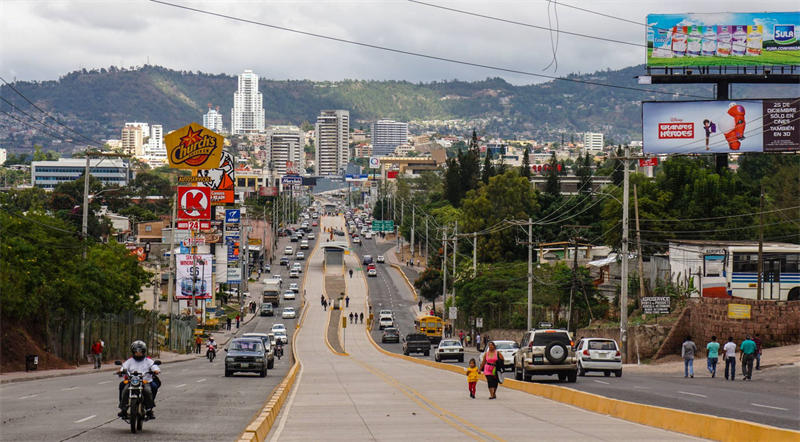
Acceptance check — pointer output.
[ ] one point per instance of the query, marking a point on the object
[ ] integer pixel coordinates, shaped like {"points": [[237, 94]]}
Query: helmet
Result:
{"points": [[138, 346]]}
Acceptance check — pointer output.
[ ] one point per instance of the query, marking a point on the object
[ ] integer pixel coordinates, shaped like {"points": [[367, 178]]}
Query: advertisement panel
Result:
{"points": [[723, 39], [194, 203], [193, 275], [193, 147], [686, 127], [267, 191], [221, 180]]}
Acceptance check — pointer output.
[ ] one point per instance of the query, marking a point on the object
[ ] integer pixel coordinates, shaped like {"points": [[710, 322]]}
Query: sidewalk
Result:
{"points": [[770, 357]]}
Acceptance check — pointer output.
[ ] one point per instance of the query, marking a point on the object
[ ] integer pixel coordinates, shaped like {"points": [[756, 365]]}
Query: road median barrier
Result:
{"points": [[405, 278]]}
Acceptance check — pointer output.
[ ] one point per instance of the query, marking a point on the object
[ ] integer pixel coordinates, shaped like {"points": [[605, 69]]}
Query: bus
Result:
{"points": [[430, 326]]}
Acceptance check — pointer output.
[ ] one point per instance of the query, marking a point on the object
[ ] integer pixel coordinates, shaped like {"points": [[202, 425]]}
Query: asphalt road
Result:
{"points": [[196, 402]]}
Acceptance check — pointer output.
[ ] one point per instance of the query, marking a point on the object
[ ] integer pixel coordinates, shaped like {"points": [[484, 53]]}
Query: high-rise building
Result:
{"points": [[247, 115], [284, 150], [387, 135], [332, 133], [213, 119], [155, 145], [592, 142], [132, 140]]}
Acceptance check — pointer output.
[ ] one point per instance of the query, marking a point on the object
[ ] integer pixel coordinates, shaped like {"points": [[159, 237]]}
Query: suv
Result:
{"points": [[246, 354], [546, 351], [417, 343], [267, 345], [266, 309]]}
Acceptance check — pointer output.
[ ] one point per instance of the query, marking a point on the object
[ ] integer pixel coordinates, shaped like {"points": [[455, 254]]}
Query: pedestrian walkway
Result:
{"points": [[369, 395], [770, 357]]}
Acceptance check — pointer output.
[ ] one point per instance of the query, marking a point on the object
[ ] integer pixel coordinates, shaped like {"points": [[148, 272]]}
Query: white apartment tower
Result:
{"points": [[592, 142], [332, 133], [132, 140], [213, 119], [387, 135], [284, 150], [155, 146], [247, 115]]}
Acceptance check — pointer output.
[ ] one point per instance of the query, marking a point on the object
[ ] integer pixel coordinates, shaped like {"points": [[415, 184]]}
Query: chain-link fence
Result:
{"points": [[180, 338]]}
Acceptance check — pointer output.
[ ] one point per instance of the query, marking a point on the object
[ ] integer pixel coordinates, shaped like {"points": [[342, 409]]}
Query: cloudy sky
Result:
{"points": [[41, 40]]}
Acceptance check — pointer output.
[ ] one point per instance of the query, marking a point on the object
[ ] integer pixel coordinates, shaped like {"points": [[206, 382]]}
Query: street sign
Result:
{"points": [[194, 203], [193, 147], [234, 275], [193, 225], [292, 179], [374, 162], [655, 305], [196, 241], [739, 311], [478, 322], [382, 225], [232, 216], [453, 312]]}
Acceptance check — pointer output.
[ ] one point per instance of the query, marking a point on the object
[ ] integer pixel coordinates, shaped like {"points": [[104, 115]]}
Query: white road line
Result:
{"points": [[769, 406], [69, 389], [28, 396], [601, 382], [201, 380], [85, 419], [104, 382], [640, 387], [181, 385], [692, 394]]}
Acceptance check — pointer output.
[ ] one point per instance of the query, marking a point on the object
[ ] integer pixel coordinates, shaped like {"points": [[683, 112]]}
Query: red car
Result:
{"points": [[314, 224]]}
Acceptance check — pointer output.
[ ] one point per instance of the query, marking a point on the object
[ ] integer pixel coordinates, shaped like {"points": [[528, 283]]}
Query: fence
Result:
{"points": [[181, 334]]}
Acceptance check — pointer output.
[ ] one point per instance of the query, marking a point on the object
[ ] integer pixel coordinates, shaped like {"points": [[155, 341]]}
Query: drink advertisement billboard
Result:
{"points": [[193, 275], [723, 39], [735, 126]]}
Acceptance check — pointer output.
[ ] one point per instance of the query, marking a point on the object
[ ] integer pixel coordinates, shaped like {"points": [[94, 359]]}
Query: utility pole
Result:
{"points": [[426, 241], [84, 232], [455, 252], [760, 284], [574, 278], [530, 272], [638, 242], [171, 282], [413, 226], [444, 271], [623, 298], [474, 254]]}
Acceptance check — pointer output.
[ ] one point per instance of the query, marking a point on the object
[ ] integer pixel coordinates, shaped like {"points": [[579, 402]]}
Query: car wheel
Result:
{"points": [[618, 373], [263, 373], [527, 377], [436, 358], [572, 376], [606, 373], [228, 373], [427, 352], [405, 353], [517, 373], [461, 359], [581, 371]]}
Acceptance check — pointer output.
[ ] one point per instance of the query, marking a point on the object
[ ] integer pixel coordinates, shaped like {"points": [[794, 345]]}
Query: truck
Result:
{"points": [[272, 292]]}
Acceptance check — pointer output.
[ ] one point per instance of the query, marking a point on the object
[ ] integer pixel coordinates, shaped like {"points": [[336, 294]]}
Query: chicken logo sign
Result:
{"points": [[193, 147], [221, 180], [194, 203]]}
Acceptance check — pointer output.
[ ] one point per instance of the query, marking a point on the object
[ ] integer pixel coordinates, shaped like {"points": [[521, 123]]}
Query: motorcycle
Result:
{"points": [[135, 410], [279, 351], [211, 353]]}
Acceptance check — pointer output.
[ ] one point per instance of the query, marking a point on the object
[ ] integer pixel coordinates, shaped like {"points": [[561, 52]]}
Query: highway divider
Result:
{"points": [[403, 274]]}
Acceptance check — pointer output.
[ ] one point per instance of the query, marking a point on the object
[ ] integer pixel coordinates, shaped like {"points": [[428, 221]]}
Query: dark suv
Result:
{"points": [[390, 334], [546, 351], [416, 343], [246, 354]]}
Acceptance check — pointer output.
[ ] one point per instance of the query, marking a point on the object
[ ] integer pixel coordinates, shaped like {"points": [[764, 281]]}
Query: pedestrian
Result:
{"points": [[490, 362], [227, 323], [420, 305], [478, 342], [322, 299], [347, 301], [467, 339], [461, 337], [361, 317], [713, 356], [198, 341], [472, 377], [748, 354], [238, 318], [757, 340], [351, 317], [324, 305], [730, 358], [97, 354], [688, 349], [351, 273]]}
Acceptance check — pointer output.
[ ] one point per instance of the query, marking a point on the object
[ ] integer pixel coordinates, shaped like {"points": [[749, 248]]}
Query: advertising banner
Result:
{"points": [[291, 179], [267, 191], [193, 147], [234, 275], [221, 180], [723, 39], [232, 216], [193, 275], [686, 127], [194, 203]]}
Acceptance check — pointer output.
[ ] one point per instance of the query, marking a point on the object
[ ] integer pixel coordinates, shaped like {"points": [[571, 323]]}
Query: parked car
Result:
{"points": [[380, 259], [546, 351], [508, 349], [289, 313], [268, 345], [390, 334], [598, 354], [449, 349], [245, 354], [416, 343], [266, 309]]}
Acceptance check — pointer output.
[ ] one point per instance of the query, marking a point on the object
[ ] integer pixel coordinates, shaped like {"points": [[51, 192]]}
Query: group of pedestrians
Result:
{"points": [[749, 353], [356, 317]]}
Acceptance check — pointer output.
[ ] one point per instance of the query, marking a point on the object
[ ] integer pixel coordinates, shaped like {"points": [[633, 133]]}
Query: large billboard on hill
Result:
{"points": [[731, 126], [723, 39]]}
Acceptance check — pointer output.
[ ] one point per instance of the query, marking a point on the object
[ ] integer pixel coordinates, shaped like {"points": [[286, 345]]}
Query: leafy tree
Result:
{"points": [[525, 169], [429, 284], [452, 182], [584, 173], [552, 185], [488, 168]]}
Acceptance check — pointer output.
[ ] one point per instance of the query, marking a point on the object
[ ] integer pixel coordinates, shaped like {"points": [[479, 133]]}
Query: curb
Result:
{"points": [[403, 274]]}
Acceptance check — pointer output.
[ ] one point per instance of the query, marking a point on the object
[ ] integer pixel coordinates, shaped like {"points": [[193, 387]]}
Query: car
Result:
{"points": [[294, 274], [367, 259], [245, 354], [294, 287], [288, 313], [278, 327], [288, 250], [293, 238], [267, 268], [304, 246], [297, 266], [356, 240], [284, 260], [385, 322], [598, 354], [280, 336], [449, 349], [275, 277], [266, 309], [390, 334], [371, 270], [268, 345], [289, 295], [380, 259], [546, 351], [383, 313], [416, 343], [314, 216], [314, 223], [300, 256], [368, 235], [508, 349], [312, 236], [338, 233]]}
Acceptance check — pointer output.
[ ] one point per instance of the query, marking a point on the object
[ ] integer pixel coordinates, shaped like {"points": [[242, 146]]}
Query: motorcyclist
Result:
{"points": [[279, 349], [139, 362], [211, 346]]}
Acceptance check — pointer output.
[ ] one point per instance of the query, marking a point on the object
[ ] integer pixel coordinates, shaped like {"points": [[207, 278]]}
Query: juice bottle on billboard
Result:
{"points": [[679, 38], [694, 41], [724, 41], [739, 42], [709, 42], [754, 40], [661, 43]]}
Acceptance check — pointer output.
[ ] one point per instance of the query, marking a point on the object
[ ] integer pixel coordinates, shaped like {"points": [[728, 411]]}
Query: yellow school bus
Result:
{"points": [[430, 326]]}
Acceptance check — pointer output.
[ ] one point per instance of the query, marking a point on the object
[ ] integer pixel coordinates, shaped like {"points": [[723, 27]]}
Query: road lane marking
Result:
{"points": [[69, 389], [180, 385], [601, 382], [28, 396], [201, 380], [104, 382], [692, 394], [85, 419], [640, 387], [769, 406]]}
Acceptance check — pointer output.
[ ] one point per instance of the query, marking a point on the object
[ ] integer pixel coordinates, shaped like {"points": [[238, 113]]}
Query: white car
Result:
{"points": [[275, 277], [297, 266], [312, 236], [380, 258], [288, 313], [383, 313], [288, 250], [280, 336], [278, 327], [294, 287], [300, 256], [289, 295], [356, 240], [449, 349], [508, 349], [368, 235], [598, 354], [294, 274], [385, 322], [372, 272]]}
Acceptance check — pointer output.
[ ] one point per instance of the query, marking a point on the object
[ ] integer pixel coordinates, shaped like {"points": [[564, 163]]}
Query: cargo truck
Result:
{"points": [[272, 292]]}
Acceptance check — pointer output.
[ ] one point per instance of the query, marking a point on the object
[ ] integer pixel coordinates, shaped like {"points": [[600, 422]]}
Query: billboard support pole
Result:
{"points": [[723, 93], [171, 287]]}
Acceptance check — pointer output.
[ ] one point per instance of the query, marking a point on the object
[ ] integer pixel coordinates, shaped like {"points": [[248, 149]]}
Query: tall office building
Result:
{"points": [[132, 140], [332, 133], [592, 142], [213, 119], [247, 115], [387, 135], [155, 145], [284, 150]]}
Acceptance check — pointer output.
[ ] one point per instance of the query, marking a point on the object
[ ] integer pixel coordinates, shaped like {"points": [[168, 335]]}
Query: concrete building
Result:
{"points": [[332, 134], [592, 142], [132, 140], [48, 174], [155, 145], [387, 135], [284, 151], [213, 119], [247, 115], [3, 156]]}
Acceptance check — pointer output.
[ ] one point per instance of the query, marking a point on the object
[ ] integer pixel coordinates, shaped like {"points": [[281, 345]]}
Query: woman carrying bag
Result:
{"points": [[489, 363]]}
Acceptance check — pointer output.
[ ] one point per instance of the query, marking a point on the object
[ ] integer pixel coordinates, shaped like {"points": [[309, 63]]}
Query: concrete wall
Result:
{"points": [[643, 340]]}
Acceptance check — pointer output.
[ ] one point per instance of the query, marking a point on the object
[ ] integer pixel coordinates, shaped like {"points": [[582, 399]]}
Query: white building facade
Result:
{"points": [[110, 171], [387, 135], [332, 133], [592, 142], [284, 150], [213, 120], [247, 115]]}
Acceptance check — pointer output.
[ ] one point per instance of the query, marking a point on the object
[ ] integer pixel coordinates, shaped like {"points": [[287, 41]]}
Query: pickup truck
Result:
{"points": [[416, 343]]}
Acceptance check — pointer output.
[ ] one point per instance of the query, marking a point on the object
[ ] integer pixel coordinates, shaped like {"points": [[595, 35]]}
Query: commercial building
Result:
{"points": [[332, 149], [387, 135], [155, 145], [3, 156], [110, 171], [132, 140], [592, 142], [213, 119], [247, 115], [284, 150]]}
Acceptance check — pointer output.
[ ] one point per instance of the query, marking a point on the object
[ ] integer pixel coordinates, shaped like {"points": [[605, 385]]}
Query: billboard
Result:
{"points": [[193, 275], [194, 203], [735, 126], [723, 39], [193, 147], [221, 180]]}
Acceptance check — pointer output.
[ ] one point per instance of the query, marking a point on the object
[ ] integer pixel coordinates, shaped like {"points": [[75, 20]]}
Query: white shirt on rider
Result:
{"points": [[144, 366]]}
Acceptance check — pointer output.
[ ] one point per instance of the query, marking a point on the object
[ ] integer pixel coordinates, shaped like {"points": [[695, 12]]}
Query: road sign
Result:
{"points": [[194, 203], [655, 305], [479, 322], [453, 312], [374, 162], [193, 147], [292, 179], [193, 225], [382, 225], [232, 216]]}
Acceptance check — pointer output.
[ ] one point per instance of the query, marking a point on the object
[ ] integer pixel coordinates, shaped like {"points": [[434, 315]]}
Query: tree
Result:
{"points": [[553, 186], [429, 284], [488, 168], [452, 182], [525, 169], [583, 170]]}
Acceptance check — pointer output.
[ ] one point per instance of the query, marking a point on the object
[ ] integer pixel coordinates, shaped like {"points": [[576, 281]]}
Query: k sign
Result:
{"points": [[194, 203]]}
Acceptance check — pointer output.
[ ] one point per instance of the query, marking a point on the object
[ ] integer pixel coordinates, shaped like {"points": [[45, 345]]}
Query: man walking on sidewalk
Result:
{"points": [[757, 340], [712, 356], [97, 353], [688, 349], [747, 356], [347, 301], [420, 305], [478, 342], [730, 358]]}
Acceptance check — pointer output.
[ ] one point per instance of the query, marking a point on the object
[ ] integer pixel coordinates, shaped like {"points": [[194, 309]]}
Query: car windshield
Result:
{"points": [[450, 344], [602, 345], [246, 346], [416, 337], [288, 309], [390, 331], [506, 345], [543, 339]]}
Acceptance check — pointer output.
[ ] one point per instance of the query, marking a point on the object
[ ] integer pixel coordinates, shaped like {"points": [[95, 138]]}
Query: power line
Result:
{"points": [[419, 54], [57, 137], [719, 217]]}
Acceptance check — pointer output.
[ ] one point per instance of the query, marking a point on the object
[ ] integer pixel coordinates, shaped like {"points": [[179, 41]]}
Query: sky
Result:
{"points": [[42, 40]]}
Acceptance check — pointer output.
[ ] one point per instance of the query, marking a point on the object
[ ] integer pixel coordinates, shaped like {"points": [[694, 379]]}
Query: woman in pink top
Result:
{"points": [[491, 360]]}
